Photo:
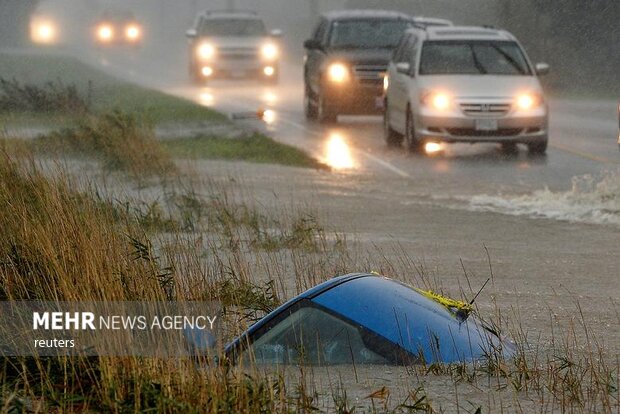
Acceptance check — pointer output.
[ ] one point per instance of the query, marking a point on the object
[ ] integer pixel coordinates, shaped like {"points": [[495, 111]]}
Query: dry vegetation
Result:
{"points": [[208, 240]]}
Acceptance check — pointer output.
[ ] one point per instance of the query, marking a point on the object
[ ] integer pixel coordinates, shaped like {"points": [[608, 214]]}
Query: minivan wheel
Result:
{"points": [[326, 112], [538, 148], [392, 138], [412, 143]]}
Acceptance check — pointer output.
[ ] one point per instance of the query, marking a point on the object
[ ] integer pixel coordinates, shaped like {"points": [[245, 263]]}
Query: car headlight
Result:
{"points": [[269, 51], [439, 101], [527, 101], [206, 51], [43, 31], [133, 32], [105, 32], [337, 72], [386, 82]]}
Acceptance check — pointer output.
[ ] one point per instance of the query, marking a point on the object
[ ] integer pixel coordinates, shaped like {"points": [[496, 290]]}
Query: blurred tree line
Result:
{"points": [[580, 39], [15, 21]]}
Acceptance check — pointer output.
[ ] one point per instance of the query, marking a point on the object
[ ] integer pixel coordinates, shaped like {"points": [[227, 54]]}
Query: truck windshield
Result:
{"points": [[367, 33], [473, 57], [232, 27]]}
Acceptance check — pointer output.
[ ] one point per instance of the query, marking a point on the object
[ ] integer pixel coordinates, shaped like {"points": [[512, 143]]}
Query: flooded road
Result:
{"points": [[578, 180]]}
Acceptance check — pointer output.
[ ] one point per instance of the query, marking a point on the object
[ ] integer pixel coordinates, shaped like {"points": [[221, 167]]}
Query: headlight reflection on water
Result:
{"points": [[338, 153], [206, 98]]}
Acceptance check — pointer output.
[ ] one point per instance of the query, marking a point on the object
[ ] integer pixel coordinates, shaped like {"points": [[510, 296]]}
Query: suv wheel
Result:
{"points": [[392, 138], [326, 112], [310, 109], [412, 143], [538, 148]]}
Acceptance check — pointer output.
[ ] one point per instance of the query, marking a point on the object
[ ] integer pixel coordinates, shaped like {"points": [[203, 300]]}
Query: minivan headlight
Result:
{"points": [[527, 101], [440, 101]]}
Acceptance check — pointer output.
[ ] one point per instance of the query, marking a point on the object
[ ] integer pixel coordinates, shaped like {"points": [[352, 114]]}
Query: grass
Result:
{"points": [[104, 93], [118, 139], [254, 148], [60, 243]]}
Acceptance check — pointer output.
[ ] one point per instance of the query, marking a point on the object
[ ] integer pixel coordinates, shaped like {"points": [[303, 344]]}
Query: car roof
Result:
{"points": [[432, 21], [229, 14], [396, 312], [463, 33], [366, 14]]}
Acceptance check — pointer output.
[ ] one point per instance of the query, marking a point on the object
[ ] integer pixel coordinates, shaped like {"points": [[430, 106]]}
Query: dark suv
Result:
{"points": [[346, 60]]}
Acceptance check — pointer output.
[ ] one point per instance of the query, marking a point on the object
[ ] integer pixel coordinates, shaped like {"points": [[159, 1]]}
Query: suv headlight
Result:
{"points": [[269, 51], [440, 101], [338, 73], [527, 101], [206, 51]]}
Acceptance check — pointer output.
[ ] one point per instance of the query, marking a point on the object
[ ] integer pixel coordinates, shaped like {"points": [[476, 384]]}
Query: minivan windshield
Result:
{"points": [[232, 27], [473, 57], [367, 33]]}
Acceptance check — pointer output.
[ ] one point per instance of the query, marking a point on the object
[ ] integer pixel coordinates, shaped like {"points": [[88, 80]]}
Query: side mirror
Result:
{"points": [[191, 33], [403, 67], [312, 44], [276, 33], [542, 68]]}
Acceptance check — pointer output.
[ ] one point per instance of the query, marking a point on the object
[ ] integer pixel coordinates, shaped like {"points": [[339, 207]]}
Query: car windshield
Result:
{"points": [[232, 27], [367, 33], [473, 58]]}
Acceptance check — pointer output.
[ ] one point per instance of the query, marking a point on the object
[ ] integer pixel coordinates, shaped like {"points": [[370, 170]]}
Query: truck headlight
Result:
{"points": [[338, 73], [206, 51], [269, 51]]}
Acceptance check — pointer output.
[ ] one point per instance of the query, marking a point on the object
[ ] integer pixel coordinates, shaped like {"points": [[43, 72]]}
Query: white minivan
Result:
{"points": [[464, 84]]}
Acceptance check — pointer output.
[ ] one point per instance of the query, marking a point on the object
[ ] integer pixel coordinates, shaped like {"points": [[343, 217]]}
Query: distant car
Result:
{"points": [[367, 319], [464, 84], [346, 60], [431, 21], [233, 44], [118, 28]]}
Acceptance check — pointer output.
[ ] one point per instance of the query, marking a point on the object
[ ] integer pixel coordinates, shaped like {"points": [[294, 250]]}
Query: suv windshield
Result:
{"points": [[367, 33], [232, 27], [467, 57]]}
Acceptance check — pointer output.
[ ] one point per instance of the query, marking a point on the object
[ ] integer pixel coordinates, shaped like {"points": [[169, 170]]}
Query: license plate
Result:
{"points": [[486, 124], [379, 102], [237, 73]]}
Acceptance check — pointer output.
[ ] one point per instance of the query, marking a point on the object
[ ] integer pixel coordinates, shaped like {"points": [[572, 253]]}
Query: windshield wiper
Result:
{"points": [[479, 66], [510, 60]]}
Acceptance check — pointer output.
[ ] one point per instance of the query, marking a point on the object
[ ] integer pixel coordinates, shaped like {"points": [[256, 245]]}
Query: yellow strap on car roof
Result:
{"points": [[453, 305]]}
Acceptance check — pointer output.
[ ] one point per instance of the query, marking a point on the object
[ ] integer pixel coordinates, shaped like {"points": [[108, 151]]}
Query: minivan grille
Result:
{"points": [[485, 109], [369, 73]]}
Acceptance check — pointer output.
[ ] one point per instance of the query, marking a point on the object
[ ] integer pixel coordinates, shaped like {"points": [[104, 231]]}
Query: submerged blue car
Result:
{"points": [[367, 319]]}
